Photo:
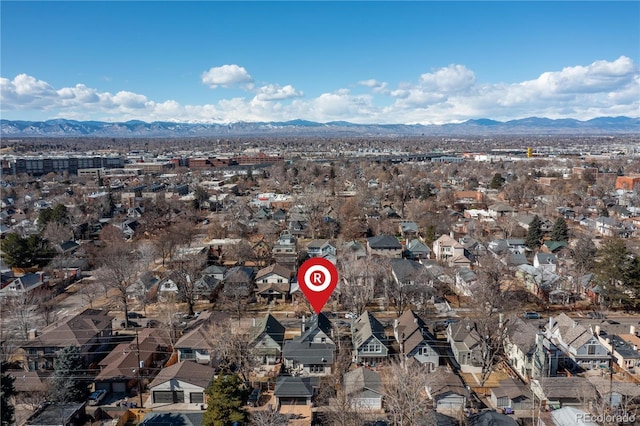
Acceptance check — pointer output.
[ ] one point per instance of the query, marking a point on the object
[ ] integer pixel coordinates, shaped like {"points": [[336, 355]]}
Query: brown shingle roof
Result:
{"points": [[186, 371]]}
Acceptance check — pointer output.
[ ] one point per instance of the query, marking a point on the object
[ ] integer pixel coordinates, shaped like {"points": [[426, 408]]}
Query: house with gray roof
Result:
{"points": [[312, 353], [90, 331], [290, 390], [273, 283], [23, 285], [410, 331], [384, 245], [546, 261], [464, 339], [581, 349], [267, 340], [447, 391], [364, 387], [182, 382], [520, 347], [196, 345], [369, 340], [559, 392], [416, 250]]}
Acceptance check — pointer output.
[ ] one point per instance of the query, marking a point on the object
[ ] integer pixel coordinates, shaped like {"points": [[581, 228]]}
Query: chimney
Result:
{"points": [[597, 330], [253, 322], [632, 330], [33, 333], [451, 234], [303, 323], [41, 276]]}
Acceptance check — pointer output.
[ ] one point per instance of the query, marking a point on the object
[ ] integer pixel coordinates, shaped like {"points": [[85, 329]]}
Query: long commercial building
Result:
{"points": [[38, 166]]}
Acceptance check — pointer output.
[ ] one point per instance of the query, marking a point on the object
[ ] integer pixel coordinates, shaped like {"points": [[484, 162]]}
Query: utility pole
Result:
{"points": [[139, 368]]}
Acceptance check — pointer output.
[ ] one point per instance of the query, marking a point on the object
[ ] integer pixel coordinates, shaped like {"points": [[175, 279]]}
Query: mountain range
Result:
{"points": [[532, 126]]}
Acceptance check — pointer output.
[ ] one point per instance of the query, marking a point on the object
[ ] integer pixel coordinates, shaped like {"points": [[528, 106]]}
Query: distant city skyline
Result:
{"points": [[362, 62]]}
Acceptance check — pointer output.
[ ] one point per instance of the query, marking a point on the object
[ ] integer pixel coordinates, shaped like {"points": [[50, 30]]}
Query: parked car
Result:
{"points": [[350, 315], [96, 397], [132, 324], [596, 315], [531, 315], [134, 315], [254, 397]]}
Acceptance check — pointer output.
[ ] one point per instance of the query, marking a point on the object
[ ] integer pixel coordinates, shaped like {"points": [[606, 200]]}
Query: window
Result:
{"points": [[315, 368], [591, 349], [279, 280]]}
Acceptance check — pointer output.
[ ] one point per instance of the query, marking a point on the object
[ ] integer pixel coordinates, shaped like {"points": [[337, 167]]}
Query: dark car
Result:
{"points": [[531, 315], [254, 397], [132, 324], [596, 315], [134, 315]]}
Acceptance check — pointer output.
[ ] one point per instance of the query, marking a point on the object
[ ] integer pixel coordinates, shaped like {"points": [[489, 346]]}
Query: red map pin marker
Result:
{"points": [[317, 278]]}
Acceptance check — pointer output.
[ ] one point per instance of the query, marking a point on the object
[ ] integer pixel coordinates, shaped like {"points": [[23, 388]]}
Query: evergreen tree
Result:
{"points": [[68, 381], [497, 181], [6, 391], [534, 233], [225, 401], [26, 252], [430, 235], [618, 272], [560, 231]]}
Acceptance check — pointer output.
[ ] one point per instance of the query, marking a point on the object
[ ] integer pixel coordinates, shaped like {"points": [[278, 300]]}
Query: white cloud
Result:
{"points": [[444, 95], [375, 85], [227, 75], [274, 92]]}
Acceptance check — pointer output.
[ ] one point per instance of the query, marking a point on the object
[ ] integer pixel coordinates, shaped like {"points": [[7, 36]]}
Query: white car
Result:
{"points": [[350, 315], [96, 397]]}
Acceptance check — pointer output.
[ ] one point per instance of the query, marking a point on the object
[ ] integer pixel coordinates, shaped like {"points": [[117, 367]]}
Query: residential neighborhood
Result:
{"points": [[162, 286]]}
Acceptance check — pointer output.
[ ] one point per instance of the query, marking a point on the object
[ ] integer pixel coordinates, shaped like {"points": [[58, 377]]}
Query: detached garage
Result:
{"points": [[184, 382]]}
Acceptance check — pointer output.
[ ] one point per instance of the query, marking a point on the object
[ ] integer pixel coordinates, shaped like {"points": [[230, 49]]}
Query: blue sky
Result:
{"points": [[365, 62]]}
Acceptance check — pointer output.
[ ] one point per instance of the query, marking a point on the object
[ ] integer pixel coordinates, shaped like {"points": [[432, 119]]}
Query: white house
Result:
{"points": [[446, 248]]}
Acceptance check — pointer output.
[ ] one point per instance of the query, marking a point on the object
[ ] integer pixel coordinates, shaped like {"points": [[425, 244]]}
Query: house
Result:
{"points": [[607, 226], [447, 391], [267, 340], [384, 245], [119, 370], [168, 288], [313, 352], [66, 247], [466, 279], [520, 346], [446, 248], [139, 290], [322, 248], [206, 287], [273, 283], [291, 390], [90, 331], [581, 349], [59, 413], [559, 392], [369, 340], [546, 261], [415, 341], [511, 394], [499, 210], [491, 418], [183, 382], [416, 250], [464, 340], [165, 418], [238, 282], [364, 387], [408, 229], [20, 286], [354, 250], [216, 271], [285, 251], [196, 345]]}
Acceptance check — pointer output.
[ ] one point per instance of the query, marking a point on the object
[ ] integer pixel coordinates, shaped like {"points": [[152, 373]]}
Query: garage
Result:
{"points": [[196, 397], [168, 397], [119, 387]]}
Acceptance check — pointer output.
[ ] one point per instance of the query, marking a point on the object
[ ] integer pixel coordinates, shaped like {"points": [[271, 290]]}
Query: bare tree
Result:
{"points": [[268, 417], [233, 348], [358, 282], [188, 270], [495, 302], [120, 265], [56, 233], [21, 310], [405, 393]]}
